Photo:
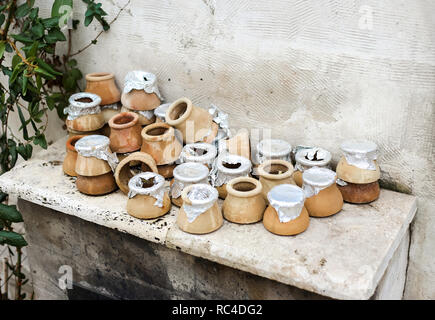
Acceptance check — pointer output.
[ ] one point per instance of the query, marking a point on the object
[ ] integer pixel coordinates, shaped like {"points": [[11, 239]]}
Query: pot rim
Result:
{"points": [[244, 194], [245, 164], [263, 173], [165, 136], [184, 116], [71, 142], [99, 76], [133, 122], [203, 172], [95, 100], [212, 196], [300, 157]]}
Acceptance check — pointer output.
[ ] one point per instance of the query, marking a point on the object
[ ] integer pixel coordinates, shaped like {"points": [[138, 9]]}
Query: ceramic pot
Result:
{"points": [[353, 174], [360, 193], [275, 172], [194, 123], [273, 149], [140, 91], [124, 172], [160, 112], [72, 133], [199, 152], [286, 214], [240, 144], [158, 140], [145, 117], [167, 170], [84, 112], [322, 197], [103, 84], [244, 202], [185, 175], [109, 111], [307, 158], [228, 167], [69, 162], [125, 132], [200, 212], [147, 198], [96, 185]]}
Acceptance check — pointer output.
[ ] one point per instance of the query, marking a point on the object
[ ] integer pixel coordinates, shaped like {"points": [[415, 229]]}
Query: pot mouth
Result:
{"points": [[233, 164], [319, 177], [83, 100], [157, 132], [160, 111], [313, 157], [358, 147], [199, 194], [123, 120], [272, 148], [198, 152], [146, 183], [275, 169], [244, 187], [71, 142], [178, 111], [99, 76], [190, 172]]}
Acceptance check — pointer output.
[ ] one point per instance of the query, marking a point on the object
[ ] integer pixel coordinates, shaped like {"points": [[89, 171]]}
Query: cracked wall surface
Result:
{"points": [[315, 72]]}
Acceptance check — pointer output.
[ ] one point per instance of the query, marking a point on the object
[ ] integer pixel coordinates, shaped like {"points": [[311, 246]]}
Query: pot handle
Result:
{"points": [[184, 195]]}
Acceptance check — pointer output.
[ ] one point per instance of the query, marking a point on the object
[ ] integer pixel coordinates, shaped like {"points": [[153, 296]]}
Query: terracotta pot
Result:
{"points": [[88, 165], [323, 198], [69, 163], [199, 152], [275, 172], [228, 167], [307, 158], [124, 173], [103, 84], [352, 174], [105, 130], [360, 193], [240, 144], [158, 140], [185, 175], [147, 198], [84, 112], [125, 133], [166, 170], [145, 117], [206, 222], [194, 123], [273, 149], [108, 112], [140, 91], [96, 185], [292, 217], [72, 133], [244, 202]]}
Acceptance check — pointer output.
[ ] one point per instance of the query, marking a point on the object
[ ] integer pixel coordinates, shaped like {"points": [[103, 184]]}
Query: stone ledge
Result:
{"points": [[343, 256]]}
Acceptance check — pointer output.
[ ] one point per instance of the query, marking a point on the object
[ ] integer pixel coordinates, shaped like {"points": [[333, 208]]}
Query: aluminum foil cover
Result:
{"points": [[186, 174], [360, 154], [157, 190], [316, 179], [202, 197], [220, 141], [114, 106], [305, 158], [160, 111], [220, 118], [287, 200], [220, 175], [77, 109], [149, 114], [141, 80], [273, 149], [97, 146], [200, 152]]}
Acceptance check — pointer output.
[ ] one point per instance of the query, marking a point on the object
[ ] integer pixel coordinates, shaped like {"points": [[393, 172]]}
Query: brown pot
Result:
{"points": [[158, 140], [231, 166], [327, 202], [360, 193], [143, 120], [83, 102], [244, 202], [72, 133], [108, 113], [69, 163], [103, 84], [140, 100], [91, 166], [275, 172], [123, 172], [308, 158], [125, 132], [206, 222], [194, 123], [240, 144], [352, 174], [167, 170], [96, 185], [293, 227]]}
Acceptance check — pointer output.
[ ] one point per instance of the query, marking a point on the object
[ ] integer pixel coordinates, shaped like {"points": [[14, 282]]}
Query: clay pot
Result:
{"points": [[228, 167], [167, 170], [90, 166], [140, 91], [160, 112], [124, 173], [240, 144], [86, 112], [292, 217], [158, 140], [194, 123], [328, 200], [353, 174], [108, 112], [69, 163], [103, 84], [275, 172], [143, 202], [125, 132], [96, 185], [307, 158], [360, 193], [244, 202], [72, 133], [271, 149], [209, 220], [145, 117], [199, 152], [185, 175]]}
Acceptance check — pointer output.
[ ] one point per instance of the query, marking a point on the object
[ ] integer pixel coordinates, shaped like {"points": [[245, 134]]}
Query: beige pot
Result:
{"points": [[91, 166], [244, 202], [308, 158], [352, 174], [88, 161], [143, 120], [103, 84], [293, 227], [86, 108], [125, 132], [158, 140], [69, 162], [96, 185], [275, 172]]}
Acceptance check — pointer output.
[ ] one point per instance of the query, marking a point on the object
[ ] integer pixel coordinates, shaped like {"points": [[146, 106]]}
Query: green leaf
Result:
{"points": [[54, 35], [2, 19], [15, 60], [57, 5], [2, 47], [25, 81], [50, 22], [12, 146], [10, 213], [38, 30], [17, 70], [88, 20], [3, 196], [44, 73], [22, 38], [25, 151], [40, 140], [34, 13], [22, 11], [33, 50], [12, 238], [38, 82], [23, 124], [47, 67]]}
